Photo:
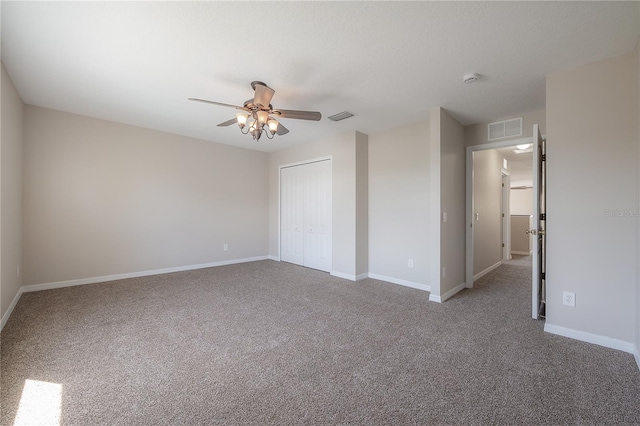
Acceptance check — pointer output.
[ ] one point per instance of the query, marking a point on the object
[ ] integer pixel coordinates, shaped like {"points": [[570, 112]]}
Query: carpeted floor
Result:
{"points": [[273, 343]]}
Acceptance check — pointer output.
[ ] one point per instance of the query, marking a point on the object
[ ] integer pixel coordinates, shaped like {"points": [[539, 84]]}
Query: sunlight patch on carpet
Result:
{"points": [[40, 404]]}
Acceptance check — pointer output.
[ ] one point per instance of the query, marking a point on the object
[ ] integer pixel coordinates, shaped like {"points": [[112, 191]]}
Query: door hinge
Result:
{"points": [[502, 245], [502, 214], [544, 157], [543, 216], [542, 275], [503, 185]]}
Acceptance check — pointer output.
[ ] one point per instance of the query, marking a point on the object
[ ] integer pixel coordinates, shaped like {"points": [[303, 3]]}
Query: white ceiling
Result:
{"points": [[387, 62]]}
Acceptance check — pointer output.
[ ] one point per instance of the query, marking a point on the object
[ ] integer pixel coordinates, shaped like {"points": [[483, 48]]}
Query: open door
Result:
{"points": [[537, 231]]}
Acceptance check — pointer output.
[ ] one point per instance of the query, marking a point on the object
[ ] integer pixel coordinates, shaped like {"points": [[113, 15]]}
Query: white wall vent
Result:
{"points": [[505, 129], [341, 116]]}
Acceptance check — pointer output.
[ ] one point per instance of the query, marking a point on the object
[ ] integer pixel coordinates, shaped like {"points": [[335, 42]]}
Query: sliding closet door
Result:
{"points": [[291, 212], [317, 216], [305, 215]]}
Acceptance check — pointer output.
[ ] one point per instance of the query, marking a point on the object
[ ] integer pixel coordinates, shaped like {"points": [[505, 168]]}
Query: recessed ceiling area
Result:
{"points": [[386, 62]]}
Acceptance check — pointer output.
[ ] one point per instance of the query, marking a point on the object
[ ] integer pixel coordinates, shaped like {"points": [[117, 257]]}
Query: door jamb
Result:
{"points": [[469, 198]]}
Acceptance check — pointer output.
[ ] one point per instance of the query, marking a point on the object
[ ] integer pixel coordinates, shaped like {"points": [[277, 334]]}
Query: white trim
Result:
{"points": [[343, 275], [522, 253], [457, 289], [419, 286], [486, 271], [13, 304], [434, 298], [275, 258], [469, 196], [300, 163], [106, 278], [605, 341], [361, 277], [637, 356]]}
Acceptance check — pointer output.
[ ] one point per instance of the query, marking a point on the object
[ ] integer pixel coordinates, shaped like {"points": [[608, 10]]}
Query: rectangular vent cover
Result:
{"points": [[505, 129], [341, 116]]}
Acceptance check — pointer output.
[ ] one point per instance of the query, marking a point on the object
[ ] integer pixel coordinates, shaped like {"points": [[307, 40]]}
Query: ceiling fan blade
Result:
{"points": [[298, 115], [228, 123], [217, 103], [282, 130], [263, 95]]}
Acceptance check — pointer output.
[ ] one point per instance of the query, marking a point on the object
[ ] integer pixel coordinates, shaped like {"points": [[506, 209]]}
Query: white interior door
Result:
{"points": [[317, 216], [537, 228], [291, 215], [305, 215]]}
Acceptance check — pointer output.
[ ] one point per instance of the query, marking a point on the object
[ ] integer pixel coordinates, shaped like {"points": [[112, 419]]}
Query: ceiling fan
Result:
{"points": [[261, 115]]}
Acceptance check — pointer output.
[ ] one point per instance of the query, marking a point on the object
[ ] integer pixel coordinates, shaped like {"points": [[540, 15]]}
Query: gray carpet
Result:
{"points": [[273, 343]]}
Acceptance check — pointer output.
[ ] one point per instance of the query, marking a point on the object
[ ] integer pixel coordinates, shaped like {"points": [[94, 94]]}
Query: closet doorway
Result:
{"points": [[305, 214]]}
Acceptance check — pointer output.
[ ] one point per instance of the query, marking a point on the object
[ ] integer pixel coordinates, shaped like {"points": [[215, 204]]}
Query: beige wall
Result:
{"points": [[487, 191], [638, 243], [592, 154], [11, 168], [399, 203], [103, 198], [520, 240], [342, 149], [452, 199], [476, 134], [521, 201], [362, 203]]}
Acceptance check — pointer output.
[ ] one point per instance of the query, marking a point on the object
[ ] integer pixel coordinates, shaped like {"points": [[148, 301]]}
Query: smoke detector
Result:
{"points": [[471, 78]]}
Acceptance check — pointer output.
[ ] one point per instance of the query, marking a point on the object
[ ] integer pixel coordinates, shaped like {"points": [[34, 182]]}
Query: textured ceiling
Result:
{"points": [[387, 62]]}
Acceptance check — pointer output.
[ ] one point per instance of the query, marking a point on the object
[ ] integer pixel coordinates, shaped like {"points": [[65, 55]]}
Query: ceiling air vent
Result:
{"points": [[505, 129], [341, 116]]}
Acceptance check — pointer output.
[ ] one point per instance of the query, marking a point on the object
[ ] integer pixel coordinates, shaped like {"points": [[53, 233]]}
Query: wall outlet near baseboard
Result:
{"points": [[225, 247], [410, 263], [569, 299]]}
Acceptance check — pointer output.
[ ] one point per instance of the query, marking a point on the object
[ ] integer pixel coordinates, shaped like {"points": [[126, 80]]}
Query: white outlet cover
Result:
{"points": [[569, 299]]}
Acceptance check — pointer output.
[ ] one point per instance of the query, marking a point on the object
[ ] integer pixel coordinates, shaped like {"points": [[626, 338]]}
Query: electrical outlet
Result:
{"points": [[569, 299], [225, 247], [410, 263]]}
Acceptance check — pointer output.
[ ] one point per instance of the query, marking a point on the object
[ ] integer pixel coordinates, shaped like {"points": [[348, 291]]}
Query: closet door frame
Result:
{"points": [[297, 163]]}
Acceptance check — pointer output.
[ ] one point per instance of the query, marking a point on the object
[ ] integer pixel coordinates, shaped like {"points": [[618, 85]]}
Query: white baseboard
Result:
{"points": [[522, 253], [13, 304], [276, 258], [486, 271], [419, 286], [449, 294], [106, 278], [605, 341], [637, 356], [362, 276], [343, 275]]}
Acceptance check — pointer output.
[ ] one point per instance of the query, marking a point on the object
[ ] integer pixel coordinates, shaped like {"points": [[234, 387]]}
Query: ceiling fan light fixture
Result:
{"points": [[242, 119], [273, 126], [260, 110], [523, 146], [263, 116]]}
